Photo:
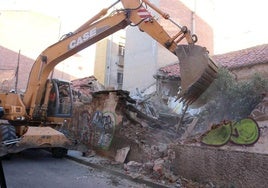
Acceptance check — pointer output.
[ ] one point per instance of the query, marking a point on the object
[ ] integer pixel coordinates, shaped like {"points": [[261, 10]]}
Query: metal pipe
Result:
{"points": [[178, 25], [163, 14], [96, 17]]}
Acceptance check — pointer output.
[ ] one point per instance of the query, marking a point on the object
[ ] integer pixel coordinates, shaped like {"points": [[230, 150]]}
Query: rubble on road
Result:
{"points": [[121, 154], [99, 113]]}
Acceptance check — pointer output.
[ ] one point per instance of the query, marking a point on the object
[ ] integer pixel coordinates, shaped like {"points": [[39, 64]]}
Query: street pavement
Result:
{"points": [[37, 168], [107, 165]]}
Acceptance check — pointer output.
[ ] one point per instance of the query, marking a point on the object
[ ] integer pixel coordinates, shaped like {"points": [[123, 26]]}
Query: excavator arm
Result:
{"points": [[28, 115], [134, 13]]}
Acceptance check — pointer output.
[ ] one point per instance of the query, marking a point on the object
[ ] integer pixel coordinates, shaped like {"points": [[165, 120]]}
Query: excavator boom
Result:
{"points": [[197, 70], [63, 49], [31, 114]]}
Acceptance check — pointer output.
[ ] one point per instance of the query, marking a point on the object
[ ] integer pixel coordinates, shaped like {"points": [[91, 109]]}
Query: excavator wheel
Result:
{"points": [[59, 152], [8, 132], [197, 71]]}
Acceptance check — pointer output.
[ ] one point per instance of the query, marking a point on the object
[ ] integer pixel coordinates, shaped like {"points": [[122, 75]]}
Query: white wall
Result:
{"points": [[140, 60]]}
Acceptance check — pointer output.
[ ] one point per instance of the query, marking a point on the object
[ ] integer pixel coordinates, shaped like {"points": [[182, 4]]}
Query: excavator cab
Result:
{"points": [[60, 99]]}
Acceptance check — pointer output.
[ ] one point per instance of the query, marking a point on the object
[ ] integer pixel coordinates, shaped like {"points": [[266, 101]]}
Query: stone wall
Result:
{"points": [[224, 168]]}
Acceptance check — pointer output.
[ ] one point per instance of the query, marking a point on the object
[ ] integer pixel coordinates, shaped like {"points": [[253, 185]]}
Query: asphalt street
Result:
{"points": [[38, 169]]}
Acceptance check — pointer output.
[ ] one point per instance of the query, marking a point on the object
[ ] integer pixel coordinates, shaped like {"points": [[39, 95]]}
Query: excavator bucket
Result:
{"points": [[197, 71]]}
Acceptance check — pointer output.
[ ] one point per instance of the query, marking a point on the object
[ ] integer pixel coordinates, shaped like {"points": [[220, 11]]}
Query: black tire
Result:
{"points": [[59, 152], [8, 132]]}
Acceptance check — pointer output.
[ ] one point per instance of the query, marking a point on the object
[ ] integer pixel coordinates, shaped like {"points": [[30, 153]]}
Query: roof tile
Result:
{"points": [[232, 60], [243, 58]]}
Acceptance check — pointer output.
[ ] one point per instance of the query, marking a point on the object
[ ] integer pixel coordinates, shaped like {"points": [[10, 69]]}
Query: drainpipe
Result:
{"points": [[109, 61]]}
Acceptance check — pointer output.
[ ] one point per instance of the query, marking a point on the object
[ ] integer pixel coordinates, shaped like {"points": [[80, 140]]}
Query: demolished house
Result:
{"points": [[153, 151], [192, 157], [110, 122], [148, 146], [243, 64]]}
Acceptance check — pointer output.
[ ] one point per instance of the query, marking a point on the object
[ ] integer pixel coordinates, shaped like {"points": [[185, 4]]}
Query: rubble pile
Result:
{"points": [[169, 113], [84, 87], [189, 122], [156, 147], [157, 168], [148, 131]]}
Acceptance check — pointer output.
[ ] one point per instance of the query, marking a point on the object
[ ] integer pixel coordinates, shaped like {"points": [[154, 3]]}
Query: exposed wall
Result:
{"points": [[110, 59], [100, 61], [8, 64], [182, 15], [144, 55], [246, 73], [140, 60]]}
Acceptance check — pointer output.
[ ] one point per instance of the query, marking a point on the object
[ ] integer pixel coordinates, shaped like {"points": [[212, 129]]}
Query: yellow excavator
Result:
{"points": [[30, 118]]}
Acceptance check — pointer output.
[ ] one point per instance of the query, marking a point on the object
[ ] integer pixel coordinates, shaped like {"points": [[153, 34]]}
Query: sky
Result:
{"points": [[237, 24], [240, 23], [71, 13]]}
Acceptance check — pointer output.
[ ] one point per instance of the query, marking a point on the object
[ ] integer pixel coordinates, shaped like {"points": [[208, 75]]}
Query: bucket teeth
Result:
{"points": [[198, 88], [198, 71]]}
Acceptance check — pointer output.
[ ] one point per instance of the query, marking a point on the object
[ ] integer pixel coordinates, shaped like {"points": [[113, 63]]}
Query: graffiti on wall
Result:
{"points": [[85, 128], [91, 129], [103, 125]]}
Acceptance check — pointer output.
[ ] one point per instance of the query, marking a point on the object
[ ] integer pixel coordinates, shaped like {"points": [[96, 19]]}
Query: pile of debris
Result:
{"points": [[145, 132], [84, 88], [157, 168]]}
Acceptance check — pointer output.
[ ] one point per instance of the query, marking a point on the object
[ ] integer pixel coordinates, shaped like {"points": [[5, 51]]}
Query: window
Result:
{"points": [[121, 50], [119, 77]]}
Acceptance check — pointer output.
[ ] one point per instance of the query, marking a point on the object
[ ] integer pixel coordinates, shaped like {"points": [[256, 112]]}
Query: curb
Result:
{"points": [[116, 173]]}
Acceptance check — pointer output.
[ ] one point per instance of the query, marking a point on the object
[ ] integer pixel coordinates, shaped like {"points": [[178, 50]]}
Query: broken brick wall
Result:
{"points": [[93, 123]]}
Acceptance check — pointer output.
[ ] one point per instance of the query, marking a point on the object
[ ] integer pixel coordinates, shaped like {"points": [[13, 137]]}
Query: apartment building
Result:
{"points": [[128, 60]]}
